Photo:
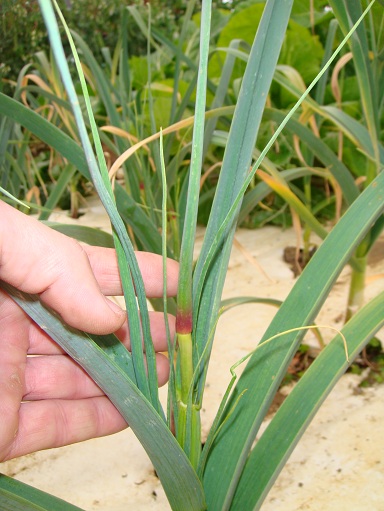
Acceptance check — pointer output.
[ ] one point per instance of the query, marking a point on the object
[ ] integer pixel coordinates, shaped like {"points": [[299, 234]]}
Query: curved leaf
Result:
{"points": [[268, 364], [18, 496], [293, 417], [179, 480]]}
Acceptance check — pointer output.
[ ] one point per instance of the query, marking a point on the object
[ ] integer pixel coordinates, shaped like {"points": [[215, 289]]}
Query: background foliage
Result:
{"points": [[24, 34]]}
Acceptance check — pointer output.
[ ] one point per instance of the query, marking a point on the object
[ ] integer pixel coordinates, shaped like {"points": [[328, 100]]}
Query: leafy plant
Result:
{"points": [[24, 32], [193, 478], [353, 133]]}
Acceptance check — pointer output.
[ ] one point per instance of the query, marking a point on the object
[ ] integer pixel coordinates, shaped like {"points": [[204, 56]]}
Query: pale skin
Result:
{"points": [[47, 400]]}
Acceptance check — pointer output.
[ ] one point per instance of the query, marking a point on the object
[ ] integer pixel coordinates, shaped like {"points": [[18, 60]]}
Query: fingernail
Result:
{"points": [[115, 308]]}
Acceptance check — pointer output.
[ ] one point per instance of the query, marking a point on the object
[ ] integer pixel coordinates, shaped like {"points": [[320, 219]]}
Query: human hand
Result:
{"points": [[47, 400]]}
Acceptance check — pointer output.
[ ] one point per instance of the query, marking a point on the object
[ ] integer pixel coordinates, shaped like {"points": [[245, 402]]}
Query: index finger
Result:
{"points": [[104, 264]]}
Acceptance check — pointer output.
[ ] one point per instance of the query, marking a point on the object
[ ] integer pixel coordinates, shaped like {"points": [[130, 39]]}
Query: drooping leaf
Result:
{"points": [[267, 366], [293, 417], [179, 480], [18, 496]]}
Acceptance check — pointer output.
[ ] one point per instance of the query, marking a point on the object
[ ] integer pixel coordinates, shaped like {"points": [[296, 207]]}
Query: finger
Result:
{"points": [[13, 350], [104, 265], [11, 385], [36, 259], [41, 344], [55, 423], [59, 377], [158, 331]]}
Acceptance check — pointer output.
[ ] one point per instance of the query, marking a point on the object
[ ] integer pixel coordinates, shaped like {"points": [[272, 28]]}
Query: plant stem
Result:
{"points": [[188, 414], [357, 283], [186, 365], [189, 425]]}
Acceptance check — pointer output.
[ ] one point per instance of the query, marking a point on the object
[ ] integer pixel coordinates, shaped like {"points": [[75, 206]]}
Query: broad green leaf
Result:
{"points": [[18, 496], [268, 364], [306, 13], [241, 24], [301, 50], [293, 417]]}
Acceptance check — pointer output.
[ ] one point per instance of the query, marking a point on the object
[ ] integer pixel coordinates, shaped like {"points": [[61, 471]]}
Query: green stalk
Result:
{"points": [[188, 421], [357, 280]]}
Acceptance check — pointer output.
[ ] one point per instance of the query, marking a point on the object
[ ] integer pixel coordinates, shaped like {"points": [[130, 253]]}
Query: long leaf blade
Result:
{"points": [[237, 159], [267, 366], [293, 417], [18, 496], [179, 480]]}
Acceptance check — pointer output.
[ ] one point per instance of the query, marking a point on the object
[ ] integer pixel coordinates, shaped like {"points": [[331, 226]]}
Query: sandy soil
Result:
{"points": [[338, 464]]}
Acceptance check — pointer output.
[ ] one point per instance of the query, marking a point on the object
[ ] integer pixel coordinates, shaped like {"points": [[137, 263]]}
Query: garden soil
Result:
{"points": [[337, 466]]}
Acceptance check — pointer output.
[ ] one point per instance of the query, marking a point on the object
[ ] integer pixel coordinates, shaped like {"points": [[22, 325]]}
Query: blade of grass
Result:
{"points": [[18, 496], [89, 235], [181, 40], [321, 151], [188, 434], [282, 189], [148, 385], [172, 400], [293, 417], [268, 365], [12, 197], [349, 126], [239, 460], [347, 13], [237, 158], [61, 184], [221, 93]]}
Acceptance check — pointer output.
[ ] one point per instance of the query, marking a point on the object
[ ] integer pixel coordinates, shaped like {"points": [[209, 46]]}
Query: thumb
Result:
{"points": [[38, 260]]}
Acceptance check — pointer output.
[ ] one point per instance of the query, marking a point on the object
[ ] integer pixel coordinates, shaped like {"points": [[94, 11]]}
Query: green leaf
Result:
{"points": [[130, 275], [293, 417], [18, 496], [267, 366], [89, 235], [339, 171], [244, 24], [178, 478], [130, 211], [301, 50], [236, 163], [301, 12], [60, 187], [230, 303]]}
